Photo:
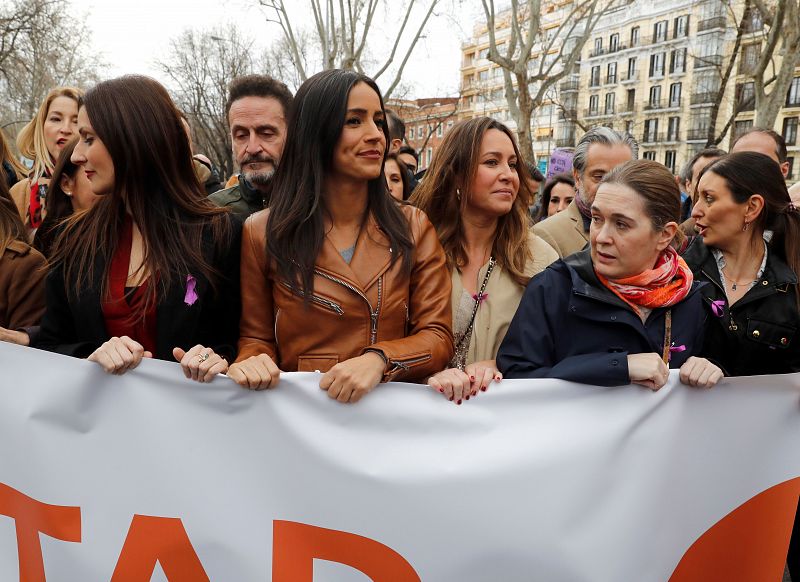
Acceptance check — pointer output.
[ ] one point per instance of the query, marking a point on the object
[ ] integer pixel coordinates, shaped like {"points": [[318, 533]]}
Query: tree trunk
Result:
{"points": [[523, 117]]}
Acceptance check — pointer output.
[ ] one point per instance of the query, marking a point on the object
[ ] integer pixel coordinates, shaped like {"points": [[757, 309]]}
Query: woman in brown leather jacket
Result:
{"points": [[336, 277]]}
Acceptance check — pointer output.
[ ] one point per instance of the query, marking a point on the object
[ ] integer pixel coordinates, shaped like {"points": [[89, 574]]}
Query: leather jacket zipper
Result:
{"points": [[406, 364], [326, 303], [373, 313]]}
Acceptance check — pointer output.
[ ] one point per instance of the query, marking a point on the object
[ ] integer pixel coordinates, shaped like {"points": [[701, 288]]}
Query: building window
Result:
{"points": [[449, 125], [650, 156], [657, 65], [484, 54], [669, 160], [613, 42], [742, 127], [655, 97], [594, 102], [677, 61], [751, 53], [439, 130], [650, 131], [611, 76], [410, 133], [629, 127], [430, 155], [609, 104], [753, 22], [634, 36], [745, 96], [673, 128], [675, 95], [790, 130], [420, 132], [790, 174], [660, 31], [681, 27], [631, 67], [594, 81], [793, 96], [598, 46]]}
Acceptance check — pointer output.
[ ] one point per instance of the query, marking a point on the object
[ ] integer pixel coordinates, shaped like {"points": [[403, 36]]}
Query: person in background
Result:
{"points": [[257, 108], [409, 157], [14, 171], [397, 130], [689, 176], [336, 276], [22, 273], [476, 193], [69, 191], [626, 309], [397, 177], [41, 140], [151, 269], [204, 169], [557, 195], [767, 142], [599, 151]]}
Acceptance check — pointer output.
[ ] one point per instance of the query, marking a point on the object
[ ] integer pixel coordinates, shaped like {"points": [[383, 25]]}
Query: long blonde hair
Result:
{"points": [[30, 139], [451, 171], [6, 155]]}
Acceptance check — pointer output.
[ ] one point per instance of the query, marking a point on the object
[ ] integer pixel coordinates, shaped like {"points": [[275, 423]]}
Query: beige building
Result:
{"points": [[651, 68]]}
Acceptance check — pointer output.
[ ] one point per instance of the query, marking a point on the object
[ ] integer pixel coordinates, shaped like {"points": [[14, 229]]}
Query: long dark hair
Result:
{"points": [[452, 170], [748, 173], [548, 192], [141, 128], [295, 229], [57, 203], [404, 173], [11, 225]]}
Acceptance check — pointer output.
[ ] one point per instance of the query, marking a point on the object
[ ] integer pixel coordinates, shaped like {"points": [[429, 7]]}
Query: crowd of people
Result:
{"points": [[327, 253]]}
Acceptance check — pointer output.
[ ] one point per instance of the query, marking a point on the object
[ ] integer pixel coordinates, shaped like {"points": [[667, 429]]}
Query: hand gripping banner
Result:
{"points": [[150, 476]]}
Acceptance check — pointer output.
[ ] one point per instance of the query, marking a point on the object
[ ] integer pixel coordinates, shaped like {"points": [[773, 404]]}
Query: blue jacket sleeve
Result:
{"points": [[531, 348]]}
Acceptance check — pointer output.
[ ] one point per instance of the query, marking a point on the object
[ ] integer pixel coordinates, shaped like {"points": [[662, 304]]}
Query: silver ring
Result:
{"points": [[204, 357]]}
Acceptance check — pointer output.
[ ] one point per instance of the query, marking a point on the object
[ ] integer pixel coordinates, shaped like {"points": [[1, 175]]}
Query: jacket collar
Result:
{"points": [[578, 223], [249, 193], [371, 257]]}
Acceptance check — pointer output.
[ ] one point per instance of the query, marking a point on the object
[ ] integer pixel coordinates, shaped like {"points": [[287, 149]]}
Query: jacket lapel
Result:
{"points": [[371, 258]]}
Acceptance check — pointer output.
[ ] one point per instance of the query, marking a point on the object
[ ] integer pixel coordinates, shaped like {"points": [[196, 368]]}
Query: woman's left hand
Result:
{"points": [[700, 372], [481, 374], [348, 381], [200, 363]]}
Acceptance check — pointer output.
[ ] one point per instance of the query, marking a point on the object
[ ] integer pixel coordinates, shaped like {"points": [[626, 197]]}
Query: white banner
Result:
{"points": [[126, 477]]}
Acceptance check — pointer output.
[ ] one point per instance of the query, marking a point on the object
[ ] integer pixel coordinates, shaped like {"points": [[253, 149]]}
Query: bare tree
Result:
{"points": [[435, 118], [341, 30], [48, 50], [200, 65], [528, 77]]}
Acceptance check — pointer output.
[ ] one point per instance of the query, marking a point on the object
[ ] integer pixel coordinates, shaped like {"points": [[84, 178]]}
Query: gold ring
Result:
{"points": [[204, 357]]}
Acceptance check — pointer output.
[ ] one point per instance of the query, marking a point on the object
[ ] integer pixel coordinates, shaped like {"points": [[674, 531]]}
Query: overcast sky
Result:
{"points": [[130, 38]]}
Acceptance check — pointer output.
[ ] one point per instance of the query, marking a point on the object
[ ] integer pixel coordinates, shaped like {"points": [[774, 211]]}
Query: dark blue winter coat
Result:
{"points": [[570, 326]]}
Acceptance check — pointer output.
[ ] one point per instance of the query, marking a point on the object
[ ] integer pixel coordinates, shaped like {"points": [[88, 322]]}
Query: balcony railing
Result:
{"points": [[705, 97], [652, 138], [591, 112], [569, 113], [707, 62], [572, 85], [711, 23], [597, 52], [673, 136], [611, 79], [627, 108], [630, 77], [697, 135], [565, 142], [653, 104]]}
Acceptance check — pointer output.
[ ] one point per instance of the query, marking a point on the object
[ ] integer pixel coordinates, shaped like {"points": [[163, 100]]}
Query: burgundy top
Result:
{"points": [[119, 308]]}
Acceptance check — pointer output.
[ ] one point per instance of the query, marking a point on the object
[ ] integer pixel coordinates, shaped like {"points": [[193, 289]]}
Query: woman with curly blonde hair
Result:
{"points": [[476, 194], [41, 141]]}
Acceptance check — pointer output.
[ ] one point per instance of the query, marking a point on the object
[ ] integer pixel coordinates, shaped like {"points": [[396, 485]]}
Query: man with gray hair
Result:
{"points": [[599, 151]]}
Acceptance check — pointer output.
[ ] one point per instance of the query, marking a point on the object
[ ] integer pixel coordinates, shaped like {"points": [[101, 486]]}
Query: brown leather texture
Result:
{"points": [[22, 273], [367, 304]]}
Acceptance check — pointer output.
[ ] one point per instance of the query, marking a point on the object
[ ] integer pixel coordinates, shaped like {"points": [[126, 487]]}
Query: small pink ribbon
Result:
{"points": [[480, 297], [718, 307], [676, 349], [191, 294]]}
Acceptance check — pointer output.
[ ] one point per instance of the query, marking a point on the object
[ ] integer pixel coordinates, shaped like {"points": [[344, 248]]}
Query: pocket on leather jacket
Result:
{"points": [[773, 335], [317, 363]]}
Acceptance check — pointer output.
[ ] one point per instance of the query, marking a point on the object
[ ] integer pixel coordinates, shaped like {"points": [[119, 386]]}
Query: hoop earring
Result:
{"points": [[458, 194]]}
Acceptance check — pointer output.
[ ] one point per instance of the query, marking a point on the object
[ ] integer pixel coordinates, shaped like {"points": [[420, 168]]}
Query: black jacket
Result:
{"points": [[759, 334], [75, 326], [570, 326]]}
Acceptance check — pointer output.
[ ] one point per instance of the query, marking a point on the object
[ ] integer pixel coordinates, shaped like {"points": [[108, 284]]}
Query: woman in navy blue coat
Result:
{"points": [[624, 310]]}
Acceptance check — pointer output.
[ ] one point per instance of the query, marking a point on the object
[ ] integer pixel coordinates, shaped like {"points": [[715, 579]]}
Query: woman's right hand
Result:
{"points": [[119, 354], [454, 384], [14, 337], [649, 370], [256, 372]]}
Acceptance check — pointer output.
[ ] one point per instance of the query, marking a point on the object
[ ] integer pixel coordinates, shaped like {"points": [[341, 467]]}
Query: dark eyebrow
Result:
{"points": [[360, 111], [613, 214]]}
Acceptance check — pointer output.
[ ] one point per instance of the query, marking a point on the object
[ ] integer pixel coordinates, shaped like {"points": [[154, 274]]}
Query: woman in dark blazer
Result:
{"points": [[626, 309], [152, 269]]}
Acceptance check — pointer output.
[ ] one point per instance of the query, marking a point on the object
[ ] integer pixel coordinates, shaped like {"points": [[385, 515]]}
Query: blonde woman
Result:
{"points": [[41, 141], [476, 195]]}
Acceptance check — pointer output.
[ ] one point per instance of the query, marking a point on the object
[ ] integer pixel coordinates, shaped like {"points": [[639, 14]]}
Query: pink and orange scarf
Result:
{"points": [[662, 286]]}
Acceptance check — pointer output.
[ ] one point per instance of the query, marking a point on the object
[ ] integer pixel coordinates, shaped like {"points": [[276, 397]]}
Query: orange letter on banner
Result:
{"points": [[31, 517], [750, 543], [295, 545], [158, 539]]}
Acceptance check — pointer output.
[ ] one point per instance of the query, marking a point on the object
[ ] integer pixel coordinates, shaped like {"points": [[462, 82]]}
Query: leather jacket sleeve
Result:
{"points": [[256, 329], [429, 345]]}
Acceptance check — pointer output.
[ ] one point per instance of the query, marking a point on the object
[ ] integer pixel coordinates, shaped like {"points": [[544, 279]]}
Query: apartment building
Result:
{"points": [[427, 121]]}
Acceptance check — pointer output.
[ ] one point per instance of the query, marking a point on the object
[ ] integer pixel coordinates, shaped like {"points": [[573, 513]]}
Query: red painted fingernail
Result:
{"points": [[459, 402], [467, 396], [472, 378], [451, 399], [483, 388], [441, 390]]}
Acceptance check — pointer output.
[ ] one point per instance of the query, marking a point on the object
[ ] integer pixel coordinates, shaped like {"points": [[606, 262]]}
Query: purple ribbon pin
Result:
{"points": [[191, 294], [676, 349], [718, 307], [480, 297]]}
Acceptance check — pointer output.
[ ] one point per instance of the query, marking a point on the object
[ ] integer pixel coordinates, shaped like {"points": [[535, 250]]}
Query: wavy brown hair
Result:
{"points": [[453, 170], [11, 226], [141, 128]]}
